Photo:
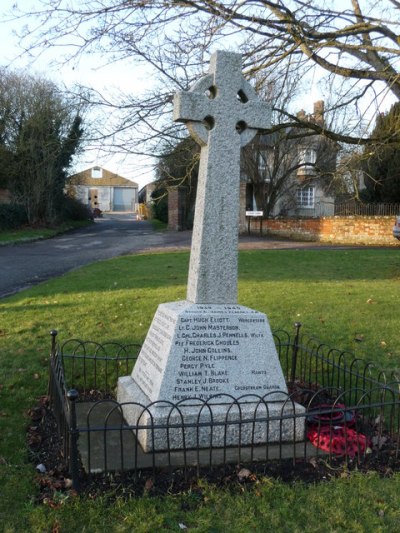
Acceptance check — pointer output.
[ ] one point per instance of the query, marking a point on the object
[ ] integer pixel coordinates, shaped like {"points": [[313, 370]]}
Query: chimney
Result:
{"points": [[301, 115], [319, 108]]}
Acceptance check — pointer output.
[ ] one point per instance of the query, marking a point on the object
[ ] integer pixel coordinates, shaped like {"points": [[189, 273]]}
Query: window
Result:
{"points": [[262, 163], [305, 197], [308, 157], [97, 172]]}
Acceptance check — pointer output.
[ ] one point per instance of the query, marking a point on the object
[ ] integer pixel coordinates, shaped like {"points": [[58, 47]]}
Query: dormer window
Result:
{"points": [[307, 159], [97, 172]]}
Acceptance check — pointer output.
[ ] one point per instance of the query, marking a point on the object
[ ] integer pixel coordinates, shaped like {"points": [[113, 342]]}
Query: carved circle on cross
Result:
{"points": [[200, 130]]}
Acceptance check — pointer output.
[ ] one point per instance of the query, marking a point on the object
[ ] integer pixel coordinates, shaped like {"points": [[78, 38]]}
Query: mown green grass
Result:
{"points": [[338, 295], [33, 234], [158, 225], [347, 298]]}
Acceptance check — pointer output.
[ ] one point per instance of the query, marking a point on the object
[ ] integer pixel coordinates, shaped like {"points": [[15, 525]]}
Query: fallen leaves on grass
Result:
{"points": [[45, 449], [245, 474], [148, 486]]}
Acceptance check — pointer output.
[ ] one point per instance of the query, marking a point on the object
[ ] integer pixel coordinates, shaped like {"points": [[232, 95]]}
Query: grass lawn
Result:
{"points": [[158, 225], [347, 298], [33, 234]]}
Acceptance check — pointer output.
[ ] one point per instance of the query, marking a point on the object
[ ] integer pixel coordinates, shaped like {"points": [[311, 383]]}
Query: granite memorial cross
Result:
{"points": [[223, 113], [208, 348]]}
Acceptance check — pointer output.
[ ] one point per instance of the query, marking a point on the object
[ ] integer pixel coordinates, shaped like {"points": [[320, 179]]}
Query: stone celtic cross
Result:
{"points": [[222, 113]]}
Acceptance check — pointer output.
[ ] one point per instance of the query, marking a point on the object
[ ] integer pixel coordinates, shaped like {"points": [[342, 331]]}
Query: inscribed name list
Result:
{"points": [[210, 349]]}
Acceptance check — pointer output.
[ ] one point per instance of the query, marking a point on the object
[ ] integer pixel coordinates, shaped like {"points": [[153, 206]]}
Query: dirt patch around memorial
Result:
{"points": [[55, 484]]}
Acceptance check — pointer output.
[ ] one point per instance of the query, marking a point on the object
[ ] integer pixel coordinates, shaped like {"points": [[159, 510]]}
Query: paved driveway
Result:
{"points": [[26, 264]]}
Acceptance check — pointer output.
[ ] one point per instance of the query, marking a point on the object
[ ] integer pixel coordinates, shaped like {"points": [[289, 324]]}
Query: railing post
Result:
{"points": [[72, 396], [53, 334], [295, 350]]}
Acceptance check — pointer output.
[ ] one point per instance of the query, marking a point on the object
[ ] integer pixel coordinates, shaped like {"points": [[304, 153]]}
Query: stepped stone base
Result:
{"points": [[194, 424]]}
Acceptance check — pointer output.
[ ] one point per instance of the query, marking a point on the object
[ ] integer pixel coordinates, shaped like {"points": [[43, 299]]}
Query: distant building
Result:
{"points": [[303, 167], [315, 193], [102, 189]]}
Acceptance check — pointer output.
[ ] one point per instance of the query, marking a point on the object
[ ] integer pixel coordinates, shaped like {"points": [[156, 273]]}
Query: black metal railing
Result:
{"points": [[355, 208], [335, 406]]}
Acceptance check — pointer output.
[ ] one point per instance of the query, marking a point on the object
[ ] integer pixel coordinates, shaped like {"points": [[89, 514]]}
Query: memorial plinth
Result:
{"points": [[198, 350], [200, 357]]}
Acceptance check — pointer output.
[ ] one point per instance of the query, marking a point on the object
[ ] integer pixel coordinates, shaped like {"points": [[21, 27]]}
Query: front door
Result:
{"points": [[93, 198]]}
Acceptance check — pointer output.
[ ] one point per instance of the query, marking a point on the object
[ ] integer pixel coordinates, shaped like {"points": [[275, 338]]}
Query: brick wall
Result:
{"points": [[177, 208], [345, 230]]}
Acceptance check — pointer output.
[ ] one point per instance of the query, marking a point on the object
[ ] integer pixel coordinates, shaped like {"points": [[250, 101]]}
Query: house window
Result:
{"points": [[97, 172], [305, 197], [262, 162], [263, 165], [308, 157]]}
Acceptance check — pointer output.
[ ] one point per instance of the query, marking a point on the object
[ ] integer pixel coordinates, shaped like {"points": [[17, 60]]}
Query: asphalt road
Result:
{"points": [[24, 265]]}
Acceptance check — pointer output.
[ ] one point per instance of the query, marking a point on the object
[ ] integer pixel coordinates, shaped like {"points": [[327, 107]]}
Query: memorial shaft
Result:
{"points": [[222, 113], [213, 260]]}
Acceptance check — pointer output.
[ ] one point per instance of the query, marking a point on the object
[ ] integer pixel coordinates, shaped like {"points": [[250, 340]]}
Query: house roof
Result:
{"points": [[108, 179]]}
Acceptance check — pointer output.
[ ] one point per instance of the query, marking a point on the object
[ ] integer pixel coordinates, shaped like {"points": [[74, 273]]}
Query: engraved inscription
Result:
{"points": [[208, 343], [211, 354], [151, 365]]}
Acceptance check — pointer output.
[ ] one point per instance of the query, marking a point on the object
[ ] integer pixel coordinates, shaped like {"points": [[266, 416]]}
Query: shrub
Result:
{"points": [[160, 205], [73, 209], [12, 216]]}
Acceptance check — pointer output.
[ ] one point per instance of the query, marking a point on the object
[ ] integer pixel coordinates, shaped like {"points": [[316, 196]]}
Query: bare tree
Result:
{"points": [[352, 47], [178, 166]]}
